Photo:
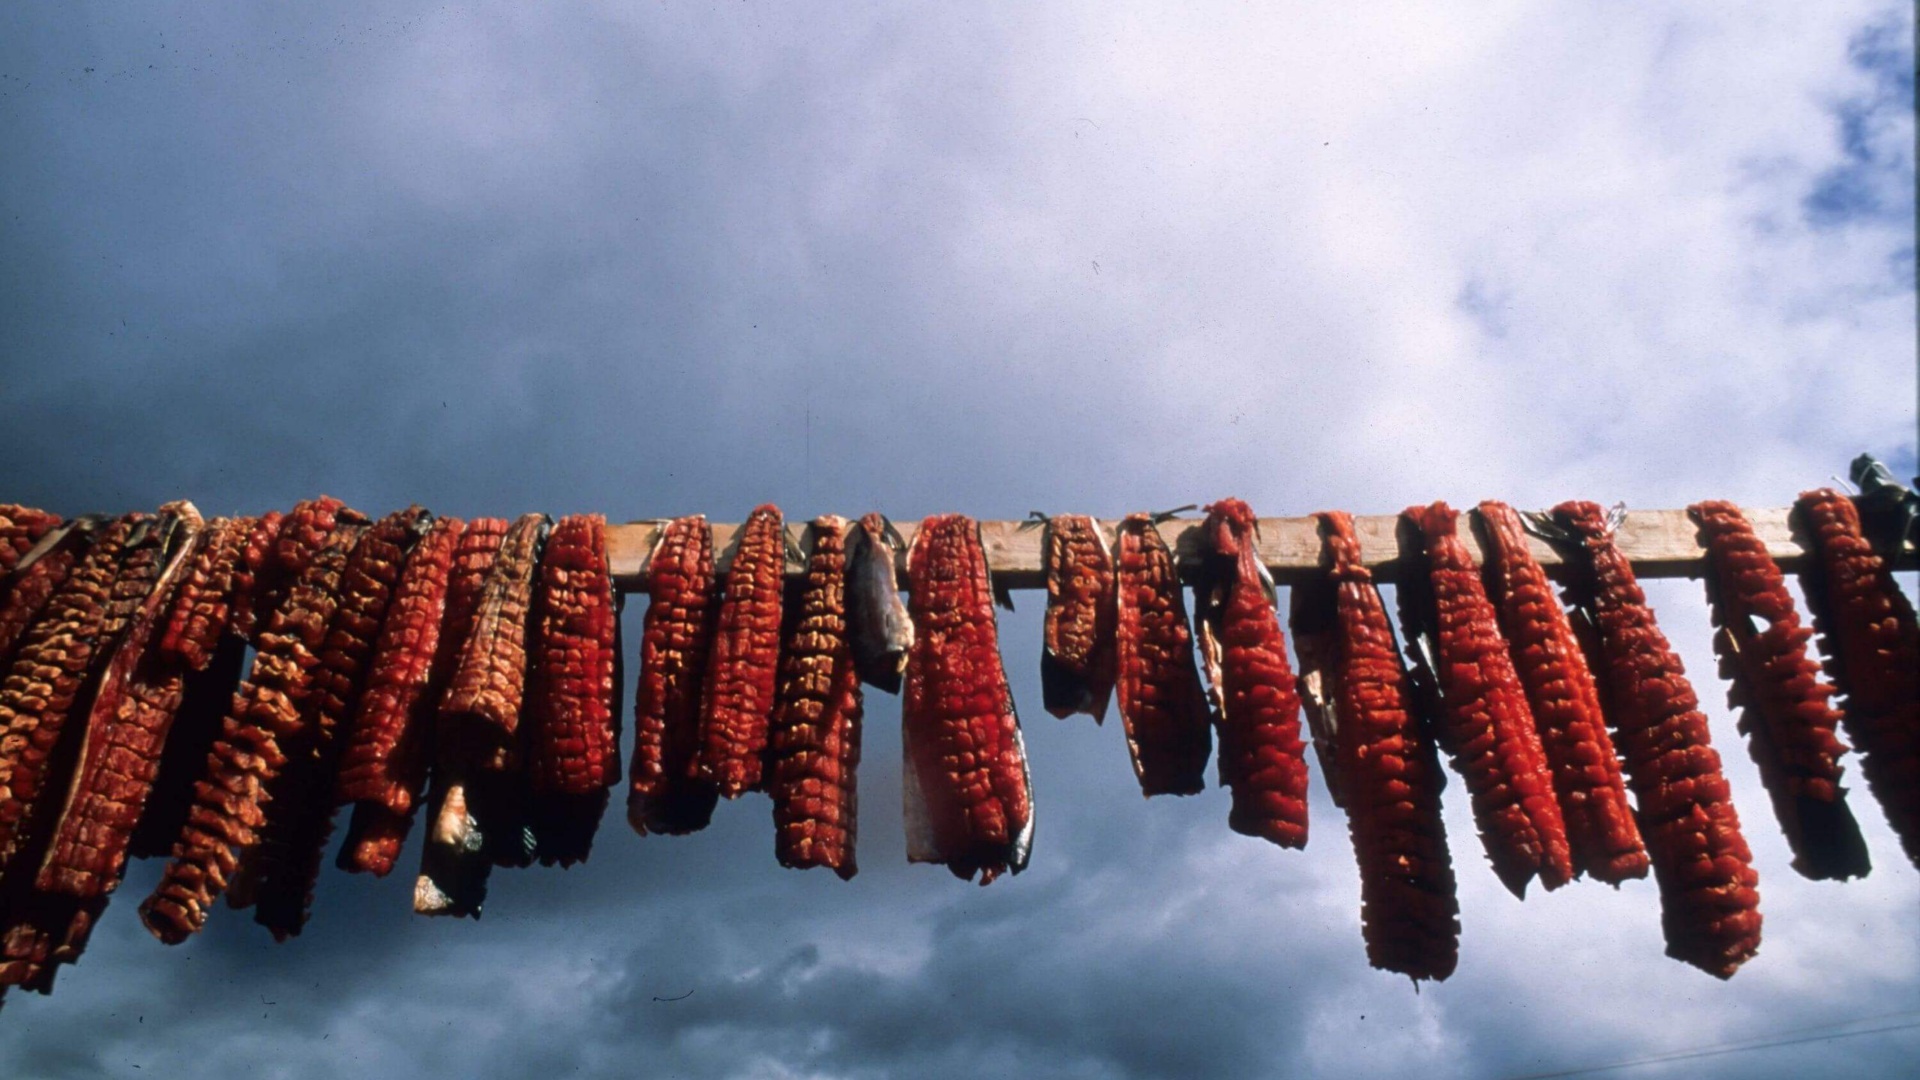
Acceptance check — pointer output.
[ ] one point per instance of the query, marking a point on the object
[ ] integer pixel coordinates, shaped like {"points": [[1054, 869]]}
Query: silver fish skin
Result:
{"points": [[877, 618]]}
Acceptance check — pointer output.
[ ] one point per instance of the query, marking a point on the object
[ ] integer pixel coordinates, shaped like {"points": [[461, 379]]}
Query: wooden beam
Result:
{"points": [[1661, 543]]}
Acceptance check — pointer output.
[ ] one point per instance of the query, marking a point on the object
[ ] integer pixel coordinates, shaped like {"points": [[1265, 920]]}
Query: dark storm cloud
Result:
{"points": [[291, 317], [359, 291], [1016, 996], [493, 259]]}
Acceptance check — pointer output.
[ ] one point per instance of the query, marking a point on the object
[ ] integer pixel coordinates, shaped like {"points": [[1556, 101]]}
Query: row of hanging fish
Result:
{"points": [[468, 673]]}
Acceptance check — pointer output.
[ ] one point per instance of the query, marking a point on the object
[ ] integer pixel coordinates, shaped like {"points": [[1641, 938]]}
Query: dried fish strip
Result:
{"points": [[398, 700], [574, 697], [230, 799], [480, 715], [1709, 893], [203, 604], [677, 636], [1776, 689], [1388, 769], [1262, 759], [737, 696], [376, 835], [1077, 664], [286, 859], [48, 674], [384, 763], [1565, 701], [183, 757], [969, 800], [37, 577], [36, 925], [814, 740], [295, 541], [1163, 708], [454, 862], [1485, 724], [21, 527], [119, 752], [1873, 655], [79, 849], [254, 575], [881, 630]]}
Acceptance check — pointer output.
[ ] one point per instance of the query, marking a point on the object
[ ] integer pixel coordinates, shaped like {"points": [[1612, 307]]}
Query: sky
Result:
{"points": [[653, 260]]}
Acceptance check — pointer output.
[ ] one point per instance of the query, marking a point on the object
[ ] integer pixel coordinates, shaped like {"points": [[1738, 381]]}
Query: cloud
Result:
{"points": [[1095, 258]]}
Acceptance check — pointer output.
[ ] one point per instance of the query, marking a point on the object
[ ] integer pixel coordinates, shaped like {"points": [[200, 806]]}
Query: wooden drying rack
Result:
{"points": [[1661, 544]]}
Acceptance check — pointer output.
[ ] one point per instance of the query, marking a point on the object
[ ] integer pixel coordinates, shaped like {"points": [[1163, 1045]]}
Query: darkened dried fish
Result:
{"points": [[815, 733], [202, 607], [881, 630], [48, 674], [383, 767], [286, 860], [1162, 705], [36, 577], [248, 755], [21, 527], [573, 752], [42, 925], [737, 696], [118, 755], [454, 861], [1077, 661], [254, 576], [480, 715], [662, 795]]}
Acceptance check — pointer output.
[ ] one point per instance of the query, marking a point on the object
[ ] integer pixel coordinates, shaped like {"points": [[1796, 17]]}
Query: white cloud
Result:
{"points": [[1098, 258]]}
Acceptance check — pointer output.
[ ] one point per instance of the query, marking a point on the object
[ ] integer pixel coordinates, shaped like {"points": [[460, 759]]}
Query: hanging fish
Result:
{"points": [[1484, 723], [202, 606], [254, 572], [1872, 646], [21, 528], [1077, 665], [1776, 690], [49, 672], [737, 695], [881, 630], [36, 577], [283, 867], [662, 794], [1553, 671], [1709, 890], [383, 767], [1256, 707], [1163, 708], [79, 848], [1384, 764], [574, 692], [196, 724], [969, 799], [454, 858], [248, 755], [814, 738]]}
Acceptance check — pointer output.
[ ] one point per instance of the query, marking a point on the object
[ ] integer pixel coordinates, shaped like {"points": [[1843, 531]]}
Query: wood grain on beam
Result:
{"points": [[1661, 543]]}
